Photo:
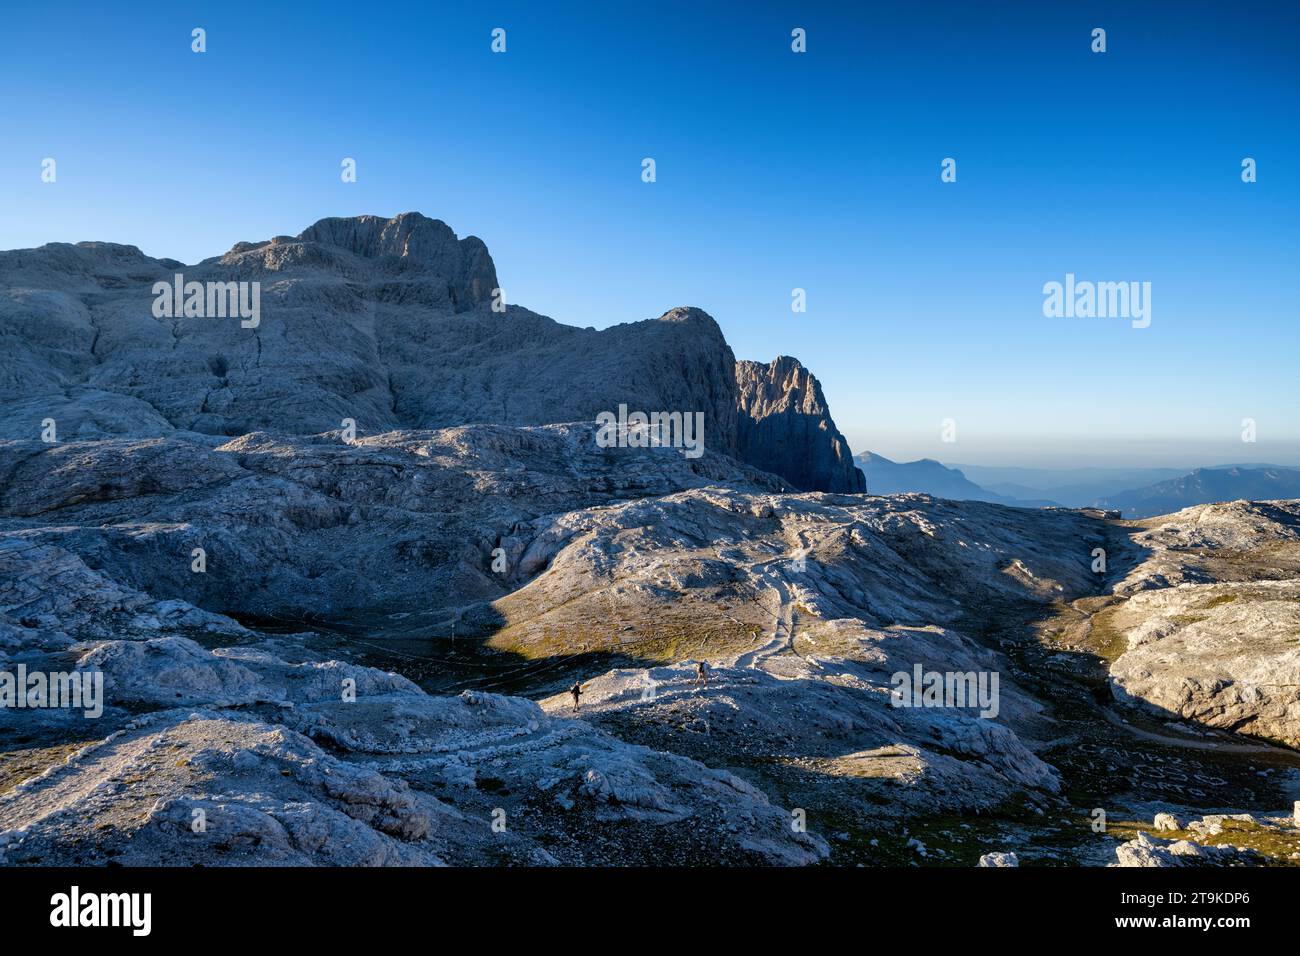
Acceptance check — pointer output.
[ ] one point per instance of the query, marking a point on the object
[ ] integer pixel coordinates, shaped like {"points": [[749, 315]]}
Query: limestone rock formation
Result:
{"points": [[239, 757], [1209, 626], [1223, 655], [1148, 851], [349, 649], [292, 526], [785, 424], [389, 323]]}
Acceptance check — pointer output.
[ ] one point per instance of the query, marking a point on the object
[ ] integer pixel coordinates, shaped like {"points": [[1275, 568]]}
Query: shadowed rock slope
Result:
{"points": [[785, 423], [386, 322]]}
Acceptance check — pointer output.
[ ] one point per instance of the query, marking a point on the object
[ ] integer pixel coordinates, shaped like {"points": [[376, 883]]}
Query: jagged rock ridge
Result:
{"points": [[385, 322], [785, 422]]}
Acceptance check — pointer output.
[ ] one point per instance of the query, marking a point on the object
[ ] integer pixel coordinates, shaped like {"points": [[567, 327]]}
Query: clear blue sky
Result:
{"points": [[775, 170]]}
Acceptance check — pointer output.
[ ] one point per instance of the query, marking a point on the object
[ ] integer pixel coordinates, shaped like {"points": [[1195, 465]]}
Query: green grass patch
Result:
{"points": [[1275, 844]]}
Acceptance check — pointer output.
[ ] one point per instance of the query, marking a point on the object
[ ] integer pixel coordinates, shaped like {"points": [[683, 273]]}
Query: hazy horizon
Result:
{"points": [[1118, 456]]}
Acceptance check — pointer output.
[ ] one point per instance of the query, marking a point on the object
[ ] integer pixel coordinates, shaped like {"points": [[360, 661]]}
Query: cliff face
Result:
{"points": [[387, 322], [422, 253], [785, 423]]}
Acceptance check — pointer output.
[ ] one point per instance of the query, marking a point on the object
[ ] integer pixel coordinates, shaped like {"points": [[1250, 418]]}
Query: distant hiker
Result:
{"points": [[576, 691], [701, 675]]}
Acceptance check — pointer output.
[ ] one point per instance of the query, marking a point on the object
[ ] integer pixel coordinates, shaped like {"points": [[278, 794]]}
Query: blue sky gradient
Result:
{"points": [[775, 171]]}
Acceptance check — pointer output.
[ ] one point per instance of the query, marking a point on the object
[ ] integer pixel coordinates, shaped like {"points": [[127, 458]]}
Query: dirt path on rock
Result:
{"points": [[1170, 741], [781, 640]]}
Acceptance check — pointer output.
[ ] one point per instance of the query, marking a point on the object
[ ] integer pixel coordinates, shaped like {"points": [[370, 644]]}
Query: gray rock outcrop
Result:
{"points": [[1148, 851], [785, 423], [389, 323], [1208, 629]]}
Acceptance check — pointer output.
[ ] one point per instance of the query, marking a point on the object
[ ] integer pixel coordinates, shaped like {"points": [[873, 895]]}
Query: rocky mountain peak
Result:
{"points": [[784, 419], [384, 321], [409, 235], [783, 384], [407, 244], [688, 313]]}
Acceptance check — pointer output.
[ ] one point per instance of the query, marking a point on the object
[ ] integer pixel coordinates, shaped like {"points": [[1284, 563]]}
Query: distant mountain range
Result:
{"points": [[1072, 487], [1206, 485], [1137, 493], [886, 477]]}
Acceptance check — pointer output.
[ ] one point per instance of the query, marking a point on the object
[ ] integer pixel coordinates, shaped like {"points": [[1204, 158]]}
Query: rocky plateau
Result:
{"points": [[339, 570]]}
